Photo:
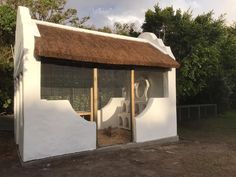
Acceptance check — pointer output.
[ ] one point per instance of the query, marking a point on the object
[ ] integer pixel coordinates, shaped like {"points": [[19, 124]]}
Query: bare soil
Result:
{"points": [[113, 136], [207, 148]]}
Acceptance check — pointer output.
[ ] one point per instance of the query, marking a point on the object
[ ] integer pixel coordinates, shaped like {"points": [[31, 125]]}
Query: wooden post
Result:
{"points": [[199, 112], [95, 94], [72, 96], [91, 104], [95, 100], [179, 118], [204, 112], [215, 110], [188, 113], [132, 104]]}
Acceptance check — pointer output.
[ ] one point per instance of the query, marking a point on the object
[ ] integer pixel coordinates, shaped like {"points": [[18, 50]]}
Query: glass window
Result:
{"points": [[64, 82], [112, 84]]}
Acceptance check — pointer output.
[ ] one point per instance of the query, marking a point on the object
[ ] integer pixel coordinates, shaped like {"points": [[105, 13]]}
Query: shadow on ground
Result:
{"points": [[6, 123], [206, 148]]}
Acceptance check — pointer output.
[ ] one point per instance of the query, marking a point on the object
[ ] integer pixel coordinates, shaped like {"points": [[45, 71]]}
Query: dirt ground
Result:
{"points": [[206, 148], [113, 136]]}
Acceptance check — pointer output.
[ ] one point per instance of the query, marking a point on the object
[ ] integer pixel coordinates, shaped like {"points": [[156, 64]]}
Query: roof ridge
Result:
{"points": [[117, 36], [62, 44]]}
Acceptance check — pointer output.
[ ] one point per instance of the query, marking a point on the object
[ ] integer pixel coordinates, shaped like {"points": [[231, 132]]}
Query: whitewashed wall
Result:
{"points": [[47, 128], [158, 120], [108, 115]]}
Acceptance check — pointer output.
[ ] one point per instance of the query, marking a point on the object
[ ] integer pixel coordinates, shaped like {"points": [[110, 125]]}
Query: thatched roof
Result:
{"points": [[80, 46]]}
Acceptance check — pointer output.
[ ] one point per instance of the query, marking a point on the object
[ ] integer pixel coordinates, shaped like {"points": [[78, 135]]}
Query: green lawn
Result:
{"points": [[220, 128]]}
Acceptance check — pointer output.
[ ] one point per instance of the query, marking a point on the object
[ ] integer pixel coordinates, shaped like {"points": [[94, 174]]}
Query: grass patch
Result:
{"points": [[222, 127]]}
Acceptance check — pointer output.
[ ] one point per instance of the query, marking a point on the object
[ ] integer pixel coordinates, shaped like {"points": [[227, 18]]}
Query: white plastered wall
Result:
{"points": [[158, 120], [49, 128], [46, 128], [107, 116], [16, 109]]}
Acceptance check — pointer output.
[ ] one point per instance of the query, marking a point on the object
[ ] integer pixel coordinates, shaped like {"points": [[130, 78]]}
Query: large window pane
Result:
{"points": [[64, 82]]}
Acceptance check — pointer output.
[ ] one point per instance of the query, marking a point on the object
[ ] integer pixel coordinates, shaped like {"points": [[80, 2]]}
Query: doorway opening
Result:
{"points": [[114, 122]]}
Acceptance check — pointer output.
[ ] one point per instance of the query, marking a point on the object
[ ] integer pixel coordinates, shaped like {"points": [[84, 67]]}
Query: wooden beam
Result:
{"points": [[132, 104], [84, 113], [91, 104], [95, 94], [95, 100]]}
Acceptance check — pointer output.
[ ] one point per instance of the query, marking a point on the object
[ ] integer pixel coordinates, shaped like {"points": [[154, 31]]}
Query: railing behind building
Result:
{"points": [[192, 112]]}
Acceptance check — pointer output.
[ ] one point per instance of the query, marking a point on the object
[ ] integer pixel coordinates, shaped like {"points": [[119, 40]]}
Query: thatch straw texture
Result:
{"points": [[66, 44]]}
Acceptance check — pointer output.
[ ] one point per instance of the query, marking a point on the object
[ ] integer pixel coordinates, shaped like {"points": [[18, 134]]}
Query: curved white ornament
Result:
{"points": [[144, 91]]}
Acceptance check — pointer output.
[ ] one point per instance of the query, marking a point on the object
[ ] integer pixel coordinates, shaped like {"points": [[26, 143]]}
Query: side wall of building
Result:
{"points": [[48, 128], [158, 120]]}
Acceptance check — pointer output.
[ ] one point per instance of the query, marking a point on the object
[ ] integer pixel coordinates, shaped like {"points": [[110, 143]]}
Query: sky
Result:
{"points": [[106, 12]]}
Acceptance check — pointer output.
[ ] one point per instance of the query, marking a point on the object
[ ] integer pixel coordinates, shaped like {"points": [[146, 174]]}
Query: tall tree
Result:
{"points": [[51, 11], [46, 10], [202, 46], [7, 29], [126, 29]]}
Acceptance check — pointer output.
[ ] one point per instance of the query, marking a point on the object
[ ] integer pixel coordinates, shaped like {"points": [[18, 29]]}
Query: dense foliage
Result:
{"points": [[7, 30], [47, 10], [205, 48], [126, 29]]}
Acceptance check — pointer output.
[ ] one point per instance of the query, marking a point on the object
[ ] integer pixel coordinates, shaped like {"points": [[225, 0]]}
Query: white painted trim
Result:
{"points": [[89, 31]]}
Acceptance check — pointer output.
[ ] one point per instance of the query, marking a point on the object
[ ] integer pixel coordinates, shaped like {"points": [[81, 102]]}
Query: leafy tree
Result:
{"points": [[125, 29], [228, 63], [105, 29], [6, 81], [7, 29], [205, 48], [46, 10], [7, 24], [51, 11]]}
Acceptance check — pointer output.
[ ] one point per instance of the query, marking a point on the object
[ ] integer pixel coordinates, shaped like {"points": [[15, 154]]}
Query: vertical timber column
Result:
{"points": [[95, 99], [91, 104], [132, 112], [95, 93], [199, 112]]}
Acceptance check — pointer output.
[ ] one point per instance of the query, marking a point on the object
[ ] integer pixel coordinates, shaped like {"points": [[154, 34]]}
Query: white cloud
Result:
{"points": [[219, 7], [125, 19], [106, 12]]}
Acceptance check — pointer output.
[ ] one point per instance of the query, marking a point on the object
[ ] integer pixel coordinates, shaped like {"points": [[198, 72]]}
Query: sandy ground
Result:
{"points": [[113, 136], [206, 149]]}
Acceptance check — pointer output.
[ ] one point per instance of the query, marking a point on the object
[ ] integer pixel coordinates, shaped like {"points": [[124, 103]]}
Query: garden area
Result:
{"points": [[207, 147], [204, 46]]}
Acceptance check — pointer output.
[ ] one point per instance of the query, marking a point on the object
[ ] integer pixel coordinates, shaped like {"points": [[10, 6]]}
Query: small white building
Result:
{"points": [[78, 90]]}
